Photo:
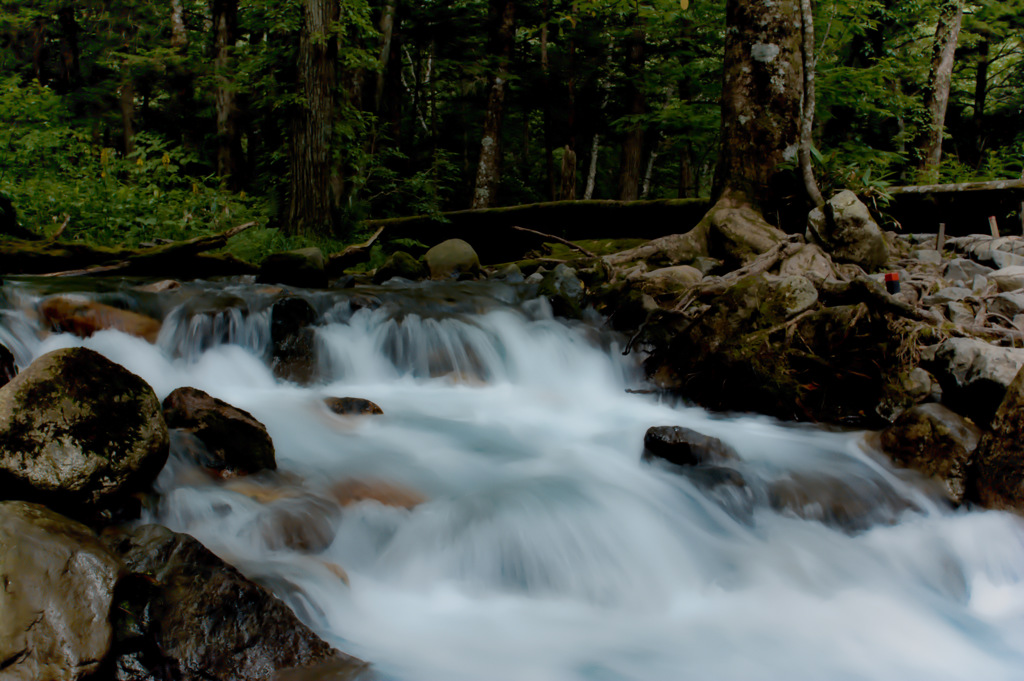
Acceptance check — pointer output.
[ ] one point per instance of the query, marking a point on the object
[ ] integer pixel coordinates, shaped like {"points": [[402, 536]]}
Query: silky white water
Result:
{"points": [[546, 549]]}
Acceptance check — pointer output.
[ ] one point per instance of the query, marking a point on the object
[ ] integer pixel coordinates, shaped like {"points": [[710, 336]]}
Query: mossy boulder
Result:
{"points": [[232, 441], [996, 473], [58, 592], [400, 264], [303, 267], [452, 259], [844, 227], [79, 430]]}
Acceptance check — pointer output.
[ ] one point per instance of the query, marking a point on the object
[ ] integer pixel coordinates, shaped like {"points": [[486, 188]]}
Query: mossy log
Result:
{"points": [[181, 259], [492, 233]]}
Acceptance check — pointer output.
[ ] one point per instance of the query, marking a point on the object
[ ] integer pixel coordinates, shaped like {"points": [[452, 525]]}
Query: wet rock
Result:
{"points": [[304, 524], [844, 227], [207, 620], [509, 273], [353, 491], [935, 441], [400, 264], [974, 375], [965, 270], [685, 447], [564, 291], [452, 259], [58, 591], [83, 317], [1008, 278], [159, 286], [293, 342], [996, 474], [234, 442], [351, 406], [849, 504], [304, 267], [79, 430], [8, 367]]}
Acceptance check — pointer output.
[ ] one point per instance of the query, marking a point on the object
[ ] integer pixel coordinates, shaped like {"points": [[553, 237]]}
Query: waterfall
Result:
{"points": [[544, 548]]}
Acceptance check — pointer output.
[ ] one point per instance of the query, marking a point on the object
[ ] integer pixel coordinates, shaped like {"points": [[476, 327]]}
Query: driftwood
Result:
{"points": [[352, 254], [552, 237]]}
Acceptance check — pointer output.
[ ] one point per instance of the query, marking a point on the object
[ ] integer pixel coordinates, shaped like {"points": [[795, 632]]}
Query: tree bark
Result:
{"points": [[387, 29], [568, 192], [761, 96], [230, 159], [70, 69], [592, 170], [314, 182], [807, 116], [126, 101], [179, 36], [488, 173], [633, 145], [947, 32]]}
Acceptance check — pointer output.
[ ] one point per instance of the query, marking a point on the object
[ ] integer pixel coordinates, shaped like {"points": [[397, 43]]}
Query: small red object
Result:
{"points": [[892, 276]]}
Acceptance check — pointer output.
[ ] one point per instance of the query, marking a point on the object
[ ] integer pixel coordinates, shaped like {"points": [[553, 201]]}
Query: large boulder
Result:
{"points": [[304, 267], [78, 429], [205, 619], [1008, 278], [844, 227], [293, 341], [233, 441], [83, 317], [996, 474], [974, 375], [58, 590], [935, 441], [452, 259]]}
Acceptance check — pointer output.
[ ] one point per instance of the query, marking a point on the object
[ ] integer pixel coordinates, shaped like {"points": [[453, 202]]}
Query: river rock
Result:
{"points": [[208, 622], [351, 406], [78, 429], [850, 504], [996, 474], [400, 264], [8, 366], [564, 291], [235, 443], [844, 227], [935, 441], [58, 591], [960, 313], [1008, 278], [946, 295], [685, 447], [1008, 305], [669, 280], [452, 259], [962, 269], [352, 491], [1003, 259], [83, 317], [927, 256], [305, 524], [808, 261], [293, 342], [793, 295], [974, 375], [304, 267]]}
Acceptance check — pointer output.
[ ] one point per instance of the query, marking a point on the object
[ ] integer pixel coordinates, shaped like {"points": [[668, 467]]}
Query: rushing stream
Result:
{"points": [[546, 549]]}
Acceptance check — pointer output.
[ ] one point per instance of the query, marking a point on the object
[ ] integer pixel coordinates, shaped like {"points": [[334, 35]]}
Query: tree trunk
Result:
{"points": [[387, 29], [179, 36], [807, 116], [230, 161], [633, 145], [314, 182], [488, 173], [947, 32], [980, 95], [568, 192], [592, 171], [761, 97], [545, 68], [687, 184], [126, 101], [70, 70]]}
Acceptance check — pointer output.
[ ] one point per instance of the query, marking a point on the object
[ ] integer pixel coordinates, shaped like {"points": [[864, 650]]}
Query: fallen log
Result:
{"points": [[994, 185]]}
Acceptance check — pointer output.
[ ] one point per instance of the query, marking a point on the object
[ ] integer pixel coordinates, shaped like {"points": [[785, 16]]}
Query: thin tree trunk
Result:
{"points": [[687, 187], [387, 29], [568, 192], [947, 32], [126, 101], [592, 171], [807, 117], [488, 174], [980, 95], [545, 68], [314, 181], [230, 161], [648, 174], [69, 50], [633, 145]]}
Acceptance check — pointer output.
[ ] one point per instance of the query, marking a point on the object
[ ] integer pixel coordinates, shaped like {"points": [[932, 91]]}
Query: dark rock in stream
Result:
{"points": [[564, 291], [79, 433], [400, 264], [304, 268], [851, 504], [294, 342], [235, 443], [196, 618], [996, 474], [351, 406], [685, 447], [58, 592], [83, 317], [8, 367]]}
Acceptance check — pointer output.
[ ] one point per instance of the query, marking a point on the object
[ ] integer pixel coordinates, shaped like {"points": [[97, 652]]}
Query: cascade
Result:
{"points": [[530, 541]]}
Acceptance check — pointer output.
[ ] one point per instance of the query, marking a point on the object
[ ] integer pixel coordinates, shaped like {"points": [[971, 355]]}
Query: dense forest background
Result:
{"points": [[129, 120]]}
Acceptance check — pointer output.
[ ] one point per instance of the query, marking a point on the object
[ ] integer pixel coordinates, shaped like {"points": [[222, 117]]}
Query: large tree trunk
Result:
{"points": [[387, 30], [70, 70], [947, 32], [488, 172], [633, 145], [126, 101], [314, 183], [230, 161], [761, 97]]}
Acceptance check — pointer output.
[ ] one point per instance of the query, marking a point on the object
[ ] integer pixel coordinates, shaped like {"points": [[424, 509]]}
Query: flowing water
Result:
{"points": [[545, 548]]}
